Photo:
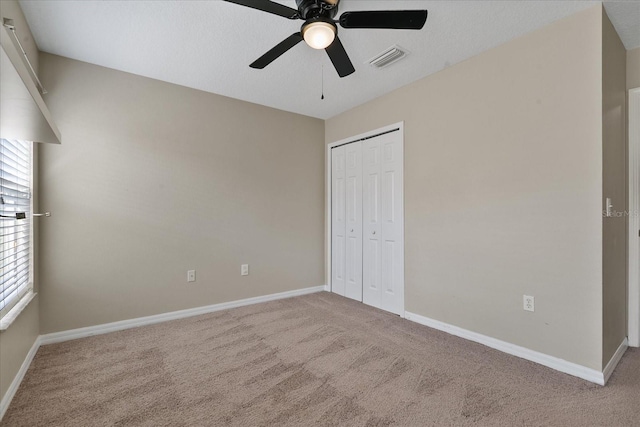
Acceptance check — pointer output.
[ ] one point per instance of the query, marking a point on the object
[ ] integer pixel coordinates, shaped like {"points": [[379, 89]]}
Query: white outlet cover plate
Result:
{"points": [[528, 303]]}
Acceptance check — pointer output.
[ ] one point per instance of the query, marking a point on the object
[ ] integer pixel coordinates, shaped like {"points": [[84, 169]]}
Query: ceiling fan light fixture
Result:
{"points": [[319, 34]]}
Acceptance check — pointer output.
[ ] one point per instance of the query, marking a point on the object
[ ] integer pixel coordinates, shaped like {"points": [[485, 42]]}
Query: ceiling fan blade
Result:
{"points": [[268, 6], [391, 19], [278, 50], [340, 59]]}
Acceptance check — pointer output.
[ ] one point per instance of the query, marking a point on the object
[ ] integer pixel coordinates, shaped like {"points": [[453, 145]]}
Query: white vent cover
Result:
{"points": [[388, 57]]}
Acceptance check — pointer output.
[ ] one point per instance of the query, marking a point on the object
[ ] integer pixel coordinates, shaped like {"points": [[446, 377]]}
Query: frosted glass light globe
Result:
{"points": [[319, 35]]}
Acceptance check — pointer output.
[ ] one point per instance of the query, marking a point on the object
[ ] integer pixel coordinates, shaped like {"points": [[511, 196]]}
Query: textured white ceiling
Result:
{"points": [[625, 17], [208, 45]]}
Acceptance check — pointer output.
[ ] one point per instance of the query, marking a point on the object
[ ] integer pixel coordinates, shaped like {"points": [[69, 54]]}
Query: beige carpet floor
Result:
{"points": [[314, 360]]}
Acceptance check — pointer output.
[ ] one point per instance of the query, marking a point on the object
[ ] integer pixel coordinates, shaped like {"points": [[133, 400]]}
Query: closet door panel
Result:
{"points": [[371, 222], [354, 221], [392, 223], [338, 221]]}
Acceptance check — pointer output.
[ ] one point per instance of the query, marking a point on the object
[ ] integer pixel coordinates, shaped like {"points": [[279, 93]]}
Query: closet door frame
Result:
{"points": [[328, 185]]}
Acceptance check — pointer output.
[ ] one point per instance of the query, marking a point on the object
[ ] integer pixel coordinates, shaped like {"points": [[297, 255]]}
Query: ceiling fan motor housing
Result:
{"points": [[310, 9]]}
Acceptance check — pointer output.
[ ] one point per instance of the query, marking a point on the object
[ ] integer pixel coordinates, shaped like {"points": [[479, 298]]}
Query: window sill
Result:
{"points": [[13, 314]]}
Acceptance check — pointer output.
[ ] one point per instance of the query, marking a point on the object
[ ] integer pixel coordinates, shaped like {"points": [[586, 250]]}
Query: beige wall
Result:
{"points": [[154, 179], [18, 339], [614, 183], [503, 188], [16, 342], [633, 68]]}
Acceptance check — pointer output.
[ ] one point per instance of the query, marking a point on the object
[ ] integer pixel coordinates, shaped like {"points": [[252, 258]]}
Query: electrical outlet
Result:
{"points": [[528, 303], [191, 276], [244, 270]]}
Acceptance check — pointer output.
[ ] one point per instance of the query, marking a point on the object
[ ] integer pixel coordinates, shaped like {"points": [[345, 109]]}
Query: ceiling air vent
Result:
{"points": [[388, 57]]}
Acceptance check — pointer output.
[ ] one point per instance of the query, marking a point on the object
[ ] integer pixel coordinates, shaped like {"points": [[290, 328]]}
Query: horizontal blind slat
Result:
{"points": [[14, 223], [15, 228], [14, 163], [11, 185], [10, 192], [6, 255], [11, 200], [11, 249], [15, 282], [12, 299], [16, 146], [23, 264], [14, 177], [16, 287], [9, 270], [13, 235], [16, 154]]}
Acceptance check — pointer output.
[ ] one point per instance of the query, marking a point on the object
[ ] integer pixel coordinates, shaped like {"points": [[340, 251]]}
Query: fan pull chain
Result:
{"points": [[322, 97]]}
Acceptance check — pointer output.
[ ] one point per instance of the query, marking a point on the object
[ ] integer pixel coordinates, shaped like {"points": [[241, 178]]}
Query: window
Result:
{"points": [[15, 222]]}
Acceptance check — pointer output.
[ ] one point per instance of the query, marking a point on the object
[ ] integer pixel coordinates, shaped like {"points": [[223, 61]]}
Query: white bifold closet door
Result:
{"points": [[383, 223], [338, 221], [346, 253], [367, 227], [354, 221]]}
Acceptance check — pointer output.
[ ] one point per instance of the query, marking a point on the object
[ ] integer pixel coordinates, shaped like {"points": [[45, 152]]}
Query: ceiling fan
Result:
{"points": [[320, 31]]}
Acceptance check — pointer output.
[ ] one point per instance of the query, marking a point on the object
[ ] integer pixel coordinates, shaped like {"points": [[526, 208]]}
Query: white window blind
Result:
{"points": [[15, 222]]}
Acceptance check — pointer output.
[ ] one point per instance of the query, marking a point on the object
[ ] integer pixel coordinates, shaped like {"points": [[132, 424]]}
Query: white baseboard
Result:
{"points": [[589, 374], [11, 391], [327, 288], [608, 370], [164, 317]]}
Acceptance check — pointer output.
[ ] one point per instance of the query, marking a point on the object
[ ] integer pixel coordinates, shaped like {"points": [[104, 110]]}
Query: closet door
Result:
{"points": [[383, 223], [353, 221], [371, 229], [338, 220]]}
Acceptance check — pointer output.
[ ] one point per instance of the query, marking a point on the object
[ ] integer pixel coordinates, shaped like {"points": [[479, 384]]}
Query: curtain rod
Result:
{"points": [[366, 137], [8, 23]]}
